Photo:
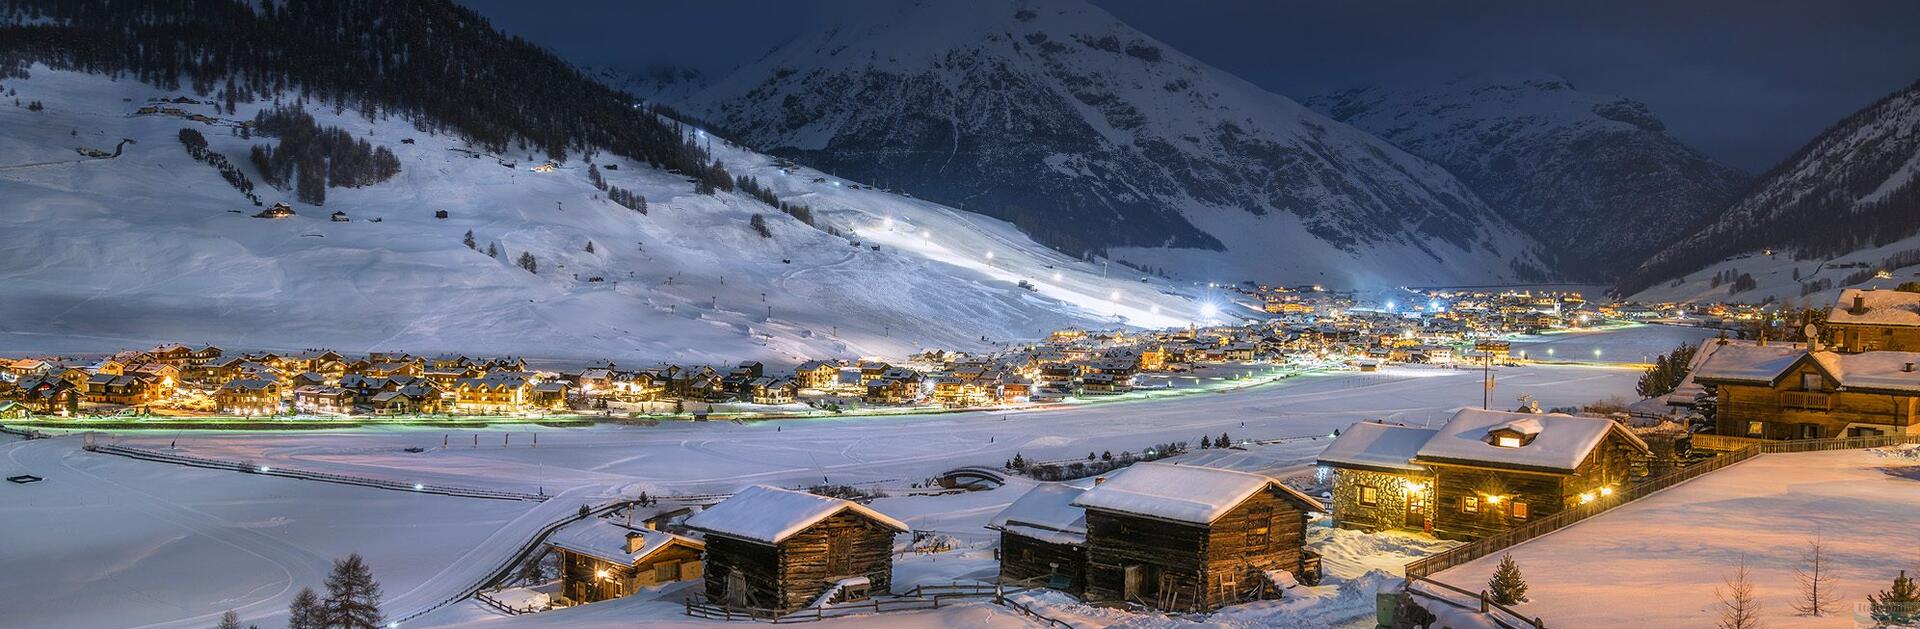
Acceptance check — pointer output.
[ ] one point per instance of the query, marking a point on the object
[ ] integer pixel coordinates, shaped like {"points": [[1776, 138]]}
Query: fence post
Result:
{"points": [[1483, 601]]}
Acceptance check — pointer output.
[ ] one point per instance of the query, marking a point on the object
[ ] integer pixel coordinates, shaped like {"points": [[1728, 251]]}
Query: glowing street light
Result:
{"points": [[1056, 276], [1208, 310]]}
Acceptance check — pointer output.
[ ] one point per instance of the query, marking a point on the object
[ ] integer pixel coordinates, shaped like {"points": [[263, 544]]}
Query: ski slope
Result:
{"points": [[103, 254]]}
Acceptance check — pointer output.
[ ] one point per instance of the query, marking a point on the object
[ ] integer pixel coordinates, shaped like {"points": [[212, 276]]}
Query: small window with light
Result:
{"points": [[1519, 511], [1369, 496], [1470, 504]]}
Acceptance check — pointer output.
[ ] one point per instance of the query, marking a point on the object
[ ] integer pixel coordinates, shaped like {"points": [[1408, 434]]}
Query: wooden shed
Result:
{"points": [[1043, 540], [781, 550], [600, 559], [1493, 470], [1183, 537]]}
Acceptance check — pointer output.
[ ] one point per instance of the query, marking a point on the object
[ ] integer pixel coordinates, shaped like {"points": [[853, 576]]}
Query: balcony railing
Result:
{"points": [[1808, 400]]}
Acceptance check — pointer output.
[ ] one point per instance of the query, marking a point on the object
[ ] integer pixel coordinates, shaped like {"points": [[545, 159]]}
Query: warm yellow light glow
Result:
{"points": [[600, 574], [1494, 500], [1606, 491], [1586, 498], [1414, 485]]}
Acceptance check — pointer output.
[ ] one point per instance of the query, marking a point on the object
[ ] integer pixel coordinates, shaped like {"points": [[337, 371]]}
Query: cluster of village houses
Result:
{"points": [[1209, 529], [207, 380]]}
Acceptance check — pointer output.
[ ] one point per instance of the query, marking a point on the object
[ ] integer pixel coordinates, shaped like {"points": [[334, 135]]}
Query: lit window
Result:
{"points": [[1755, 429], [1470, 504], [1519, 511], [1369, 496], [1508, 442]]}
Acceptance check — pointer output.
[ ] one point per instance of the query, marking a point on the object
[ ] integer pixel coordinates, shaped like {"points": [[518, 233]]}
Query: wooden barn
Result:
{"points": [[1183, 537], [600, 559], [1493, 470], [1781, 392], [1376, 484], [1043, 540], [1868, 320], [781, 550]]}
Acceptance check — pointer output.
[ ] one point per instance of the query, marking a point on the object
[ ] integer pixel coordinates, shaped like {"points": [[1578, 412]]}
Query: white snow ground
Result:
{"points": [[1678, 545], [145, 248], [1633, 344], [1774, 271], [419, 545]]}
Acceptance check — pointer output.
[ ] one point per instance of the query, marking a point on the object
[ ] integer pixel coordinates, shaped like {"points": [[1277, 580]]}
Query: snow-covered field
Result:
{"points": [[1777, 275], [152, 246], [105, 541], [1656, 562], [223, 523], [1628, 344]]}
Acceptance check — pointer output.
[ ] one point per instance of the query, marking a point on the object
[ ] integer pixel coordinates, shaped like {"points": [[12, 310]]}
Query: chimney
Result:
{"points": [[1859, 304], [634, 541], [1097, 480]]}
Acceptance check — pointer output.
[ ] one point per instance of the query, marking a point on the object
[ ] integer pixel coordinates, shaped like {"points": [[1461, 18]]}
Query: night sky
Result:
{"points": [[1745, 81]]}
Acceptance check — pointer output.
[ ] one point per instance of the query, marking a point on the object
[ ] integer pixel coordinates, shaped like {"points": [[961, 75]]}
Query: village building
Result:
{"points": [[817, 374], [248, 397], [770, 390], [602, 560], [1867, 320], [1183, 537], [126, 390], [1784, 392], [493, 393], [782, 550], [279, 210], [47, 395], [316, 399], [1043, 540], [419, 398]]}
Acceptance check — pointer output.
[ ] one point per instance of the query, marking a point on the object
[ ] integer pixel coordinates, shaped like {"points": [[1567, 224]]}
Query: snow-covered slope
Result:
{"points": [[1596, 178], [153, 246], [1850, 195], [1095, 137]]}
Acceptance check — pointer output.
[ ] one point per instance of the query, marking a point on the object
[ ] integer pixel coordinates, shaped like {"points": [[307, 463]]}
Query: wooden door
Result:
{"points": [[840, 556], [736, 589]]}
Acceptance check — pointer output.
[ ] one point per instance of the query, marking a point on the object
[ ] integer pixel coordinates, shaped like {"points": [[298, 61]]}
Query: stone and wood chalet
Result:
{"points": [[817, 374], [601, 560], [1481, 473], [1867, 320], [783, 550]]}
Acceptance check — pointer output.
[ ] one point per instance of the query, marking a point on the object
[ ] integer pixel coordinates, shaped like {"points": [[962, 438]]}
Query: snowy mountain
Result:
{"points": [[1094, 137], [129, 185], [1843, 207], [1596, 178], [658, 82]]}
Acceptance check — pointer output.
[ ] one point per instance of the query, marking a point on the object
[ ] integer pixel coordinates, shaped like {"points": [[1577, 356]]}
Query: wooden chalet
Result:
{"points": [[601, 560], [782, 550], [1184, 537], [1783, 392], [47, 395], [493, 393], [172, 354], [1043, 540], [324, 400], [770, 390], [1867, 320], [126, 390], [419, 398], [279, 210]]}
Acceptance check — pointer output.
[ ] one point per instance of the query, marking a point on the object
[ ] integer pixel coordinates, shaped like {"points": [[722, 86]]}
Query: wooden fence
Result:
{"points": [[1479, 602], [919, 598], [1488, 545]]}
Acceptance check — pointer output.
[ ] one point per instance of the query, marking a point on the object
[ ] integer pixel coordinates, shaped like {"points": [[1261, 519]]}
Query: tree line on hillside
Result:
{"points": [[196, 145], [320, 157], [433, 63]]}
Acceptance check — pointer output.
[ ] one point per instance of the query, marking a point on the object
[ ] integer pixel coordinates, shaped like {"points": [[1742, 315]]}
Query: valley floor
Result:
{"points": [[104, 540]]}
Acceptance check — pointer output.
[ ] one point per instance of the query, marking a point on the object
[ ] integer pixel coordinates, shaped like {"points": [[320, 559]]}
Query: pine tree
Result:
{"points": [[759, 223], [1206, 442], [1739, 608], [305, 611], [1507, 587], [1899, 605], [229, 620], [1223, 441], [593, 176], [493, 251], [468, 241], [1019, 462], [353, 597], [528, 262], [1816, 582]]}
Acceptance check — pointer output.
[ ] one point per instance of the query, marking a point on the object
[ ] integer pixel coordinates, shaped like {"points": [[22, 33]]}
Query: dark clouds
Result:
{"points": [[1745, 81]]}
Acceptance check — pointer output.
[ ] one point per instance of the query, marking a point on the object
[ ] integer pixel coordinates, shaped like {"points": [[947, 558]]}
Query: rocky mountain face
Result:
{"points": [[1854, 187], [1099, 140], [1595, 178]]}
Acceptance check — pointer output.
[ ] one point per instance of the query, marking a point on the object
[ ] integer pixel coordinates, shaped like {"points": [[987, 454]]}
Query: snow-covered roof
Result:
{"points": [[1253, 460], [1182, 493], [771, 514], [1045, 512], [1561, 442], [1377, 445], [607, 541], [1879, 307], [1879, 371], [1739, 362]]}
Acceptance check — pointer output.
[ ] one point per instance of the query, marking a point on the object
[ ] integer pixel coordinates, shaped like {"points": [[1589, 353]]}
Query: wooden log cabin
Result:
{"points": [[1183, 537], [1043, 540], [780, 550], [1376, 484], [1868, 320], [1782, 392], [602, 560]]}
